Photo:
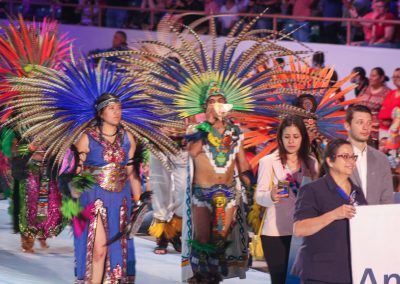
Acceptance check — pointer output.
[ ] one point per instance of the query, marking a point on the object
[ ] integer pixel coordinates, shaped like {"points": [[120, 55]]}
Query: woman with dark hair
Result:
{"points": [[373, 98], [106, 151], [360, 80], [323, 208], [103, 114], [280, 175]]}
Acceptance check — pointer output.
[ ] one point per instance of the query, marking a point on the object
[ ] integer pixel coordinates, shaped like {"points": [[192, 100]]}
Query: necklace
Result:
{"points": [[109, 135]]}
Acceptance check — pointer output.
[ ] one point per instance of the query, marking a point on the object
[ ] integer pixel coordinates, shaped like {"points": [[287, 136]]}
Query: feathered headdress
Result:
{"points": [[23, 46], [26, 46], [326, 121], [56, 108], [184, 86]]}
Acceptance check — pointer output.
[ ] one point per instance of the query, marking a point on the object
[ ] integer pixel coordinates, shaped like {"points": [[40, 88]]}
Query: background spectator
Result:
{"points": [[115, 18], [119, 43], [373, 97], [360, 80], [331, 30], [391, 101], [376, 34], [134, 20], [227, 22], [89, 12], [211, 7], [258, 6], [393, 161], [362, 7], [302, 8]]}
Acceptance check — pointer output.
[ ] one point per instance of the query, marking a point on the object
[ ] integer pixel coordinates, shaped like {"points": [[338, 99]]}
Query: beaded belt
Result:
{"points": [[111, 177], [210, 193]]}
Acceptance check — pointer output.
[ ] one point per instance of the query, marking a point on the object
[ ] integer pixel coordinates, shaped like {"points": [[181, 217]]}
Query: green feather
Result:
{"points": [[7, 136], [70, 208], [204, 126], [206, 248], [23, 149], [83, 182], [146, 156]]}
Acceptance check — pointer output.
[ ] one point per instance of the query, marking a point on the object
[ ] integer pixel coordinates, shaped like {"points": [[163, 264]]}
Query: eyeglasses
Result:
{"points": [[348, 157]]}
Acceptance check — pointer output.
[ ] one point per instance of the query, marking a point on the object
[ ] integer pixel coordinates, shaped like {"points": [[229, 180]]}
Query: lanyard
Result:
{"points": [[350, 199]]}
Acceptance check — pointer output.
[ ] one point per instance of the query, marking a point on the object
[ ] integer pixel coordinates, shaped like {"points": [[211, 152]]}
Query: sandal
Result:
{"points": [[27, 243], [160, 250], [162, 244]]}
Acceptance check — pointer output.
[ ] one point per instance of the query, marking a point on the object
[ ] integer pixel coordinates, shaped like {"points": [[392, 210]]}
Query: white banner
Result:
{"points": [[375, 244]]}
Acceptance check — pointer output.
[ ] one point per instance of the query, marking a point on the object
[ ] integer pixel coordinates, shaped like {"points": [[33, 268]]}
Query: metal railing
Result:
{"points": [[53, 5]]}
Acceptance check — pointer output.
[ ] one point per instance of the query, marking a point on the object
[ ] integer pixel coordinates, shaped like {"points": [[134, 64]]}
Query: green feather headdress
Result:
{"points": [[183, 86]]}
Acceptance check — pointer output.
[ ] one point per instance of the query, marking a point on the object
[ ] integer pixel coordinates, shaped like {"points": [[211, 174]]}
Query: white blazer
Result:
{"points": [[279, 218]]}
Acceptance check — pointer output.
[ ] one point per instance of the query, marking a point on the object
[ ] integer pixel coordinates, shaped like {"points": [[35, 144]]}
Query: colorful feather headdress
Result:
{"points": [[25, 45], [183, 86], [58, 107], [327, 121]]}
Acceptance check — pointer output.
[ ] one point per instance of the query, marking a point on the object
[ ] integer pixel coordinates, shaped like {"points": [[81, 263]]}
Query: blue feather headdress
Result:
{"points": [[56, 108]]}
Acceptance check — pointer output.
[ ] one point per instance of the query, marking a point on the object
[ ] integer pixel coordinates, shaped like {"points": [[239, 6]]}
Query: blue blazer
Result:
{"points": [[324, 256]]}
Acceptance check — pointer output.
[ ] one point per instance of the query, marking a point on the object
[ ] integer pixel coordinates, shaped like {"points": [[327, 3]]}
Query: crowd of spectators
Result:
{"points": [[88, 12]]}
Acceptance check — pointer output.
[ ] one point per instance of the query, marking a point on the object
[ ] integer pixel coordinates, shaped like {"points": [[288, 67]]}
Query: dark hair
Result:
{"points": [[381, 73], [103, 98], [330, 152], [123, 34], [334, 79], [318, 58], [300, 99], [293, 120], [360, 71], [356, 108]]}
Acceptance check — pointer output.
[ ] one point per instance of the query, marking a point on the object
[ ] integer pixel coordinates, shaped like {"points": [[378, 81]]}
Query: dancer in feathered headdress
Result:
{"points": [[213, 81], [104, 114], [23, 48]]}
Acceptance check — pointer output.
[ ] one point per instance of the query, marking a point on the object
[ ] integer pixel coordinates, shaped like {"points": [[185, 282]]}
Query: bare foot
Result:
{"points": [[43, 244]]}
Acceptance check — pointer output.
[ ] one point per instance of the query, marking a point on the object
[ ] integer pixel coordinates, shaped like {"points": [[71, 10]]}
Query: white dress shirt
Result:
{"points": [[362, 167]]}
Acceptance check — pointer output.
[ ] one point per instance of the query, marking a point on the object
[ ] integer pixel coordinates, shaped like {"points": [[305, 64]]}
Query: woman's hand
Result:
{"points": [[276, 196], [343, 212]]}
